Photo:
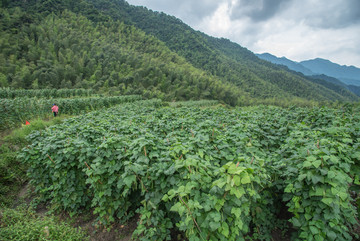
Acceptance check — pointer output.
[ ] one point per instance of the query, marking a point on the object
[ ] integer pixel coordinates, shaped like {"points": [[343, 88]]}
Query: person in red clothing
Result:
{"points": [[55, 110]]}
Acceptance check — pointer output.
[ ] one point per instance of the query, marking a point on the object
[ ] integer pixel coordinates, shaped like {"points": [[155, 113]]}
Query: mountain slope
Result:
{"points": [[209, 67]]}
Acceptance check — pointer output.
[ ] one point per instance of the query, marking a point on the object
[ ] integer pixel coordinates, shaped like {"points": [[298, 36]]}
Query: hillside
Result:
{"points": [[68, 51], [114, 47]]}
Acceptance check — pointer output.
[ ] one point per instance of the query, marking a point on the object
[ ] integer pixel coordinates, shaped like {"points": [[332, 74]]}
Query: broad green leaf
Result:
{"points": [[314, 230], [225, 229], [289, 188], [319, 191], [306, 164], [343, 195], [233, 169], [347, 140], [316, 179], [236, 212], [176, 207], [316, 163], [302, 177], [165, 198], [220, 183], [214, 225], [331, 174], [236, 180], [331, 235], [237, 191], [245, 179], [129, 180], [311, 158], [295, 222], [334, 159], [327, 201]]}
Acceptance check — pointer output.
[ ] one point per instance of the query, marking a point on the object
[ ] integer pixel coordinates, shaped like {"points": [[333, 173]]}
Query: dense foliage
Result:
{"points": [[98, 44], [14, 112], [211, 173]]}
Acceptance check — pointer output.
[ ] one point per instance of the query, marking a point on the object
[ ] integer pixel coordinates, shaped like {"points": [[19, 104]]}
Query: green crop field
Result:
{"points": [[211, 173]]}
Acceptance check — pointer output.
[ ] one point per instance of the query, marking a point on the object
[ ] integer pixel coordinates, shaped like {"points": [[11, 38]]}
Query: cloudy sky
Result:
{"points": [[296, 29]]}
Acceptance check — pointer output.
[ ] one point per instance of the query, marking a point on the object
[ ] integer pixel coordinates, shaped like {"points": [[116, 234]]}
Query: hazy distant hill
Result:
{"points": [[347, 74], [331, 82], [287, 62], [115, 47]]}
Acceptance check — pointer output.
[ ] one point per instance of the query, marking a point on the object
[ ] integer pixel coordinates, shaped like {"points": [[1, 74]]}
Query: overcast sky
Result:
{"points": [[297, 29]]}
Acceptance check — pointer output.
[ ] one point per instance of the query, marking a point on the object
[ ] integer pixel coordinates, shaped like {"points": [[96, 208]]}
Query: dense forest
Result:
{"points": [[115, 48]]}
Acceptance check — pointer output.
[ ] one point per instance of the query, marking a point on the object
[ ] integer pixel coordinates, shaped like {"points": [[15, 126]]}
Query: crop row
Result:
{"points": [[7, 93], [212, 174], [14, 112]]}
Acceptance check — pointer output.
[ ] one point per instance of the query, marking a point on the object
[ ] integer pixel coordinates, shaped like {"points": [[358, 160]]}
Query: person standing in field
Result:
{"points": [[55, 109]]}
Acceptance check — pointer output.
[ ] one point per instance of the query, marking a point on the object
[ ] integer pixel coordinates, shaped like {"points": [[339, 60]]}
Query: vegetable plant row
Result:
{"points": [[210, 173], [14, 112], [7, 93]]}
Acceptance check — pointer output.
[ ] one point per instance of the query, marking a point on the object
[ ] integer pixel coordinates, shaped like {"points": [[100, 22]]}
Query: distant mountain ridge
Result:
{"points": [[287, 62], [349, 75]]}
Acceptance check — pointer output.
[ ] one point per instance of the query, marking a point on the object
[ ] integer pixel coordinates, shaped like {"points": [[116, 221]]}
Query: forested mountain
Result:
{"points": [[114, 47], [68, 50]]}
